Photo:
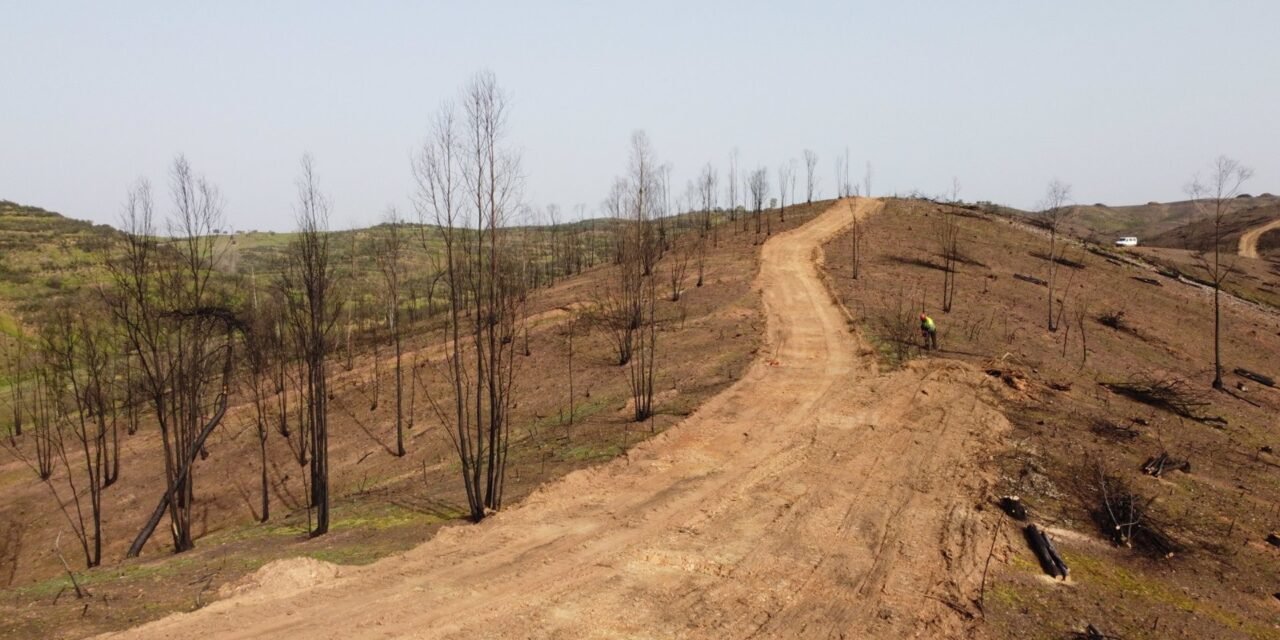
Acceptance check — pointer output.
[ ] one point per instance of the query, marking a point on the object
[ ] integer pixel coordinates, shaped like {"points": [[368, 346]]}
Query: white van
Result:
{"points": [[1127, 241]]}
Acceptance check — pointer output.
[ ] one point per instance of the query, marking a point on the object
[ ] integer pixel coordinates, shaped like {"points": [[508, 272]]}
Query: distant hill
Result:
{"points": [[48, 256], [45, 255], [1176, 225], [1198, 234]]}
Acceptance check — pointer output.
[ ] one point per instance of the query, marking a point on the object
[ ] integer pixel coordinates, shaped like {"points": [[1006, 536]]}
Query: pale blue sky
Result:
{"points": [[1123, 100]]}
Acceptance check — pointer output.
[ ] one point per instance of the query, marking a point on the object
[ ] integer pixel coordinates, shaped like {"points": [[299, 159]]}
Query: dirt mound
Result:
{"points": [[282, 578]]}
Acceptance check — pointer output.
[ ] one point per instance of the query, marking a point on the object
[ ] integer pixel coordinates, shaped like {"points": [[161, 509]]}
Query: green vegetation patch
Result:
{"points": [[154, 570], [592, 451], [1123, 583]]}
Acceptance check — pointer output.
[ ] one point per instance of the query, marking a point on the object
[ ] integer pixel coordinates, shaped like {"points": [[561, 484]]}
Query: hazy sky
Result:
{"points": [[1123, 100]]}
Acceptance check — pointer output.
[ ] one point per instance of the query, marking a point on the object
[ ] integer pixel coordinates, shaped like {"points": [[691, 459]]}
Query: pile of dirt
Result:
{"points": [[281, 578]]}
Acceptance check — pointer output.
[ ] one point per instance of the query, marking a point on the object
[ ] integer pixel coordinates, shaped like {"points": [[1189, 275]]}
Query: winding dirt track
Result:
{"points": [[1249, 239], [814, 498]]}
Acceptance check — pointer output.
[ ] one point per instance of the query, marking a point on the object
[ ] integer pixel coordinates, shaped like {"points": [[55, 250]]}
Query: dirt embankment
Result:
{"points": [[812, 498]]}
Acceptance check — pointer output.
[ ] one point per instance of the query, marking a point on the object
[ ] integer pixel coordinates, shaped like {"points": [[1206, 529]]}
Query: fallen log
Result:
{"points": [[1256, 377], [1053, 555], [1031, 279], [1045, 552], [1150, 281], [183, 471], [1273, 539]]}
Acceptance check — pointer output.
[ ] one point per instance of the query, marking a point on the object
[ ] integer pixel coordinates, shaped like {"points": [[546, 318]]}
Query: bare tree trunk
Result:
{"points": [[183, 472], [857, 236], [1216, 200], [483, 280], [313, 311], [642, 366], [947, 233], [389, 254], [811, 176], [1056, 211], [171, 318], [572, 326]]}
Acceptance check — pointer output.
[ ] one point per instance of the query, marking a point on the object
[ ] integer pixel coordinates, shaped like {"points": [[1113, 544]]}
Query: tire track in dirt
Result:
{"points": [[813, 498], [1249, 239]]}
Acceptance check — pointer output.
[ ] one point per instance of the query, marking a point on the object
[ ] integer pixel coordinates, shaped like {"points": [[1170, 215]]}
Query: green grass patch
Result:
{"points": [[108, 575], [1123, 583], [9, 326], [257, 531], [581, 411], [888, 354], [356, 555], [389, 518], [591, 451]]}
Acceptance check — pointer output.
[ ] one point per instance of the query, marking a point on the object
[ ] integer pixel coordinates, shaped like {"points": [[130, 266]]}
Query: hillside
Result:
{"points": [[1174, 225], [814, 497], [383, 505], [787, 445], [1176, 238], [1198, 234], [45, 255], [1102, 223], [1197, 562], [1268, 244], [48, 255]]}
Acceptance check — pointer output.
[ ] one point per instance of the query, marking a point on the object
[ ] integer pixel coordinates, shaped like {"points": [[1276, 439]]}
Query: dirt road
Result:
{"points": [[1249, 239], [814, 498]]}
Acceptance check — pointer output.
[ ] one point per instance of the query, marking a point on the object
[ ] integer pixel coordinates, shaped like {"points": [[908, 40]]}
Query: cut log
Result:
{"points": [[1256, 377], [1053, 555], [1031, 279], [1045, 552], [1013, 506]]}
